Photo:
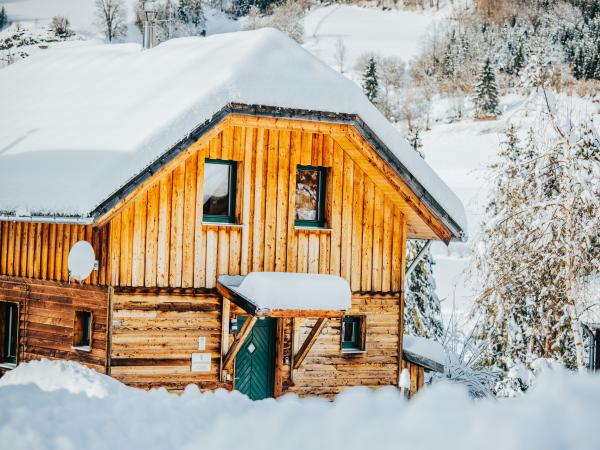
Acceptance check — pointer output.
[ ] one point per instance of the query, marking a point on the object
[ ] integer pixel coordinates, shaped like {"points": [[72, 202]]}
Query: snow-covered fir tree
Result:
{"points": [[539, 240], [485, 97], [190, 19], [422, 308], [3, 18], [370, 83]]}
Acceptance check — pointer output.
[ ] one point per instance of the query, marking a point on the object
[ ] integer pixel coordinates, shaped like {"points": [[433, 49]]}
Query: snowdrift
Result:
{"points": [[561, 412]]}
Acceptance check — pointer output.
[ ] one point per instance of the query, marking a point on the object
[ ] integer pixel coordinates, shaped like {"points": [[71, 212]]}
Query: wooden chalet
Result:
{"points": [[254, 182]]}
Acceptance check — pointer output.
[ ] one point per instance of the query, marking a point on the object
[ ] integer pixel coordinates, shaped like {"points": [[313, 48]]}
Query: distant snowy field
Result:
{"points": [[366, 30], [61, 405]]}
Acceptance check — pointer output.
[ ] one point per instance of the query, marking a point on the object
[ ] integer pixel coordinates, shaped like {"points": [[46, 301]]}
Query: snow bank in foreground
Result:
{"points": [[561, 412], [53, 375]]}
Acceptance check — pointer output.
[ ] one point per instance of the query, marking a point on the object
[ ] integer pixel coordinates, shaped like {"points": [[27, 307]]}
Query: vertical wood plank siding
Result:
{"points": [[159, 238], [40, 250]]}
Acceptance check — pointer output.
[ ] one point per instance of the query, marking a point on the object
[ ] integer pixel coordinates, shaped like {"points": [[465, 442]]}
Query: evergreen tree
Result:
{"points": [[414, 139], [370, 84], [190, 18], [422, 308], [486, 92], [3, 18]]}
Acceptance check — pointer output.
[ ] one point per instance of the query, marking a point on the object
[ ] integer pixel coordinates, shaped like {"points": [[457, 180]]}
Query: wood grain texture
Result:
{"points": [[169, 245], [46, 319], [40, 250]]}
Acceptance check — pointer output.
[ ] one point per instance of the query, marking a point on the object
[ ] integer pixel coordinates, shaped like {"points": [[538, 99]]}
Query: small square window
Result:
{"points": [[353, 334], [9, 326], [82, 330], [310, 196], [219, 191]]}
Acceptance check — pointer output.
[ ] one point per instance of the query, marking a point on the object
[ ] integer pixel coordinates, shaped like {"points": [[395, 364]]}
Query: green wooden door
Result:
{"points": [[255, 362]]}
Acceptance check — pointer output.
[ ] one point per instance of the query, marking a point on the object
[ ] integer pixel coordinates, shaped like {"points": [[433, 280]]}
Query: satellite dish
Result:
{"points": [[81, 260]]}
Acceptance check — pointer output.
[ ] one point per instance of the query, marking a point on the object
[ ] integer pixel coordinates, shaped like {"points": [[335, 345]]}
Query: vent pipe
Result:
{"points": [[149, 36]]}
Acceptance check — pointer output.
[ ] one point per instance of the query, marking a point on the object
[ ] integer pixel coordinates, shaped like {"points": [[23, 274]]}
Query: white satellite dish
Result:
{"points": [[81, 260]]}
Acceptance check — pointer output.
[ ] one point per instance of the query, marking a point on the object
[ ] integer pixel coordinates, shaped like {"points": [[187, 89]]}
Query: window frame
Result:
{"points": [[7, 336], [231, 201], [76, 329], [358, 343], [321, 199]]}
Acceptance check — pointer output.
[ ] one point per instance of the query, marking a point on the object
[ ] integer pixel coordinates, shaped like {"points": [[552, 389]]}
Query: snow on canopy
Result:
{"points": [[271, 291], [79, 122], [424, 348]]}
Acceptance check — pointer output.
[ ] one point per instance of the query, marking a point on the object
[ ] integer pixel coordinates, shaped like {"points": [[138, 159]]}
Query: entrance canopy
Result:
{"points": [[281, 294]]}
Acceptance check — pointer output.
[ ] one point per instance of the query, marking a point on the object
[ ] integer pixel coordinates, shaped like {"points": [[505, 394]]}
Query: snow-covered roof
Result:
{"points": [[80, 122], [425, 352], [281, 291]]}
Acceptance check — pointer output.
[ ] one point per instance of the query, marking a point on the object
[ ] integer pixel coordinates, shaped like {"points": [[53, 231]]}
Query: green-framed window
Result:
{"points": [[82, 329], [310, 196], [353, 333], [9, 325], [220, 178]]}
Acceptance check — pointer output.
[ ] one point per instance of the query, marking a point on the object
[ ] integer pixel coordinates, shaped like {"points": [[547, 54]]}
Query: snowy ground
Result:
{"points": [[366, 30], [61, 405]]}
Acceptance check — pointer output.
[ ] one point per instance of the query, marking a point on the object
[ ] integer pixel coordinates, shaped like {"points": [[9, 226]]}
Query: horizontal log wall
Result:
{"points": [[326, 371], [154, 336], [47, 312], [41, 250], [159, 239]]}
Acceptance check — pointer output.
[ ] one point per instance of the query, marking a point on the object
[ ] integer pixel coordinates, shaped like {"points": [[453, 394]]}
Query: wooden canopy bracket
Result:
{"points": [[238, 342], [309, 342]]}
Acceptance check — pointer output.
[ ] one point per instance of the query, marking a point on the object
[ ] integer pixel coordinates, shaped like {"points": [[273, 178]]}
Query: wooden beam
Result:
{"points": [[237, 299], [307, 314], [238, 342], [309, 342]]}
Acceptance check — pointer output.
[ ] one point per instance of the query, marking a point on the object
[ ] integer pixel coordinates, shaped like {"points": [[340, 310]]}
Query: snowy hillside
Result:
{"points": [[366, 30], [81, 409]]}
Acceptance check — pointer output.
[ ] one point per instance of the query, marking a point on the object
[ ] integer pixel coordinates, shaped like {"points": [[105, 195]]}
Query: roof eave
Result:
{"points": [[104, 208]]}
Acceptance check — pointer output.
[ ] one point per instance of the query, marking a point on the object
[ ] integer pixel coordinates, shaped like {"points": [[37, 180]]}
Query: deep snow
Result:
{"points": [[560, 413]]}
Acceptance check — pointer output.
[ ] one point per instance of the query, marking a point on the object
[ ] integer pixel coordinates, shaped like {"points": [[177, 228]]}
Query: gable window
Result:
{"points": [[353, 334], [310, 196], [219, 191], [9, 325], [82, 330]]}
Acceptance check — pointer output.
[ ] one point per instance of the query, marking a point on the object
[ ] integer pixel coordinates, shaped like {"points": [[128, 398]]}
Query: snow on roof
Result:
{"points": [[271, 291], [427, 351], [79, 122]]}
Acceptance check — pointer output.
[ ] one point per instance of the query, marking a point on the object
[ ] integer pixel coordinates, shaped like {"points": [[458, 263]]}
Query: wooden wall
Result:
{"points": [[47, 311], [417, 376], [154, 336], [159, 238], [40, 250], [326, 370]]}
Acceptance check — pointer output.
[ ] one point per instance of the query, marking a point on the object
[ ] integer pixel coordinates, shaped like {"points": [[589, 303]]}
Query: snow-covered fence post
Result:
{"points": [[404, 383]]}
